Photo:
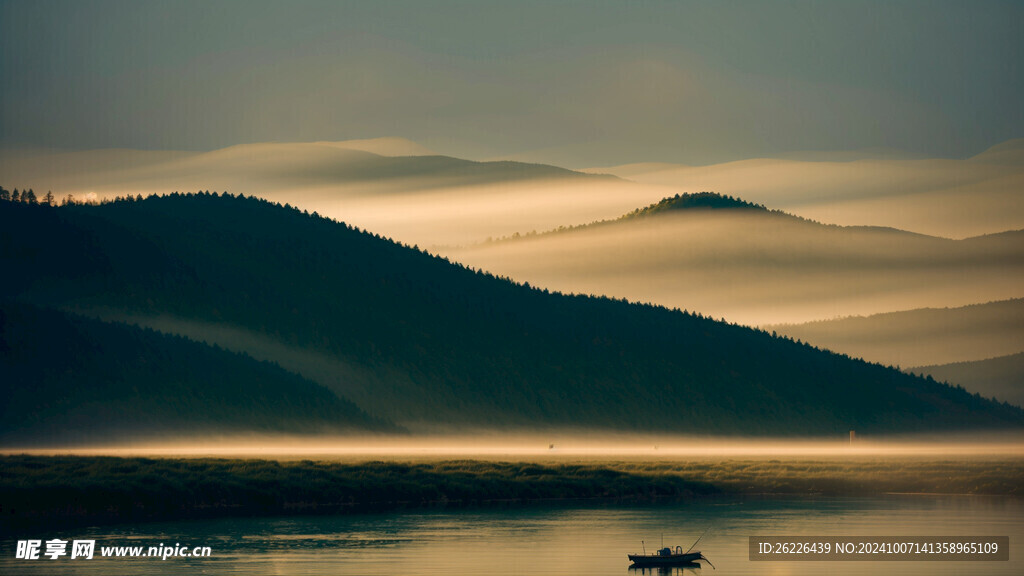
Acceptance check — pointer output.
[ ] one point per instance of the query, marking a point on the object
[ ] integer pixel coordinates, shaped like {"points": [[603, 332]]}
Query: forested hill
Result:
{"points": [[428, 343], [66, 378], [696, 201]]}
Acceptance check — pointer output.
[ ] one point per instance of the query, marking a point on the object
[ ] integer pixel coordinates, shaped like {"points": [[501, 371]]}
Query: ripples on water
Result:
{"points": [[547, 541]]}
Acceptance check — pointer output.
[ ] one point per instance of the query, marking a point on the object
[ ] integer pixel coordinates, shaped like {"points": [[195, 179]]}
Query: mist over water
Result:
{"points": [[497, 445]]}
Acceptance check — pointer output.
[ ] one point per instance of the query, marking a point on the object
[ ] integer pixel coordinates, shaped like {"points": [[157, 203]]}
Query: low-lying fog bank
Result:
{"points": [[537, 445]]}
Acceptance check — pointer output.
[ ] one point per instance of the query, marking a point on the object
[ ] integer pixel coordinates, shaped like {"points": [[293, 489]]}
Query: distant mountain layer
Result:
{"points": [[266, 166], [415, 340], [69, 378], [1002, 377], [940, 197], [391, 186], [922, 336], [404, 191], [729, 258]]}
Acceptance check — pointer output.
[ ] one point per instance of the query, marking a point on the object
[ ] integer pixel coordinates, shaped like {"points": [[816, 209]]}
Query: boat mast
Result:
{"points": [[698, 540]]}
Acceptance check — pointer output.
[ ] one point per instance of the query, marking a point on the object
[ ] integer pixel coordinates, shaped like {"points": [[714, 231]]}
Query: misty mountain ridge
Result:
{"points": [[300, 163], [1008, 152], [714, 201], [425, 344], [707, 201], [1002, 376], [405, 191], [922, 336], [1011, 302], [421, 199], [731, 258], [948, 197], [680, 203]]}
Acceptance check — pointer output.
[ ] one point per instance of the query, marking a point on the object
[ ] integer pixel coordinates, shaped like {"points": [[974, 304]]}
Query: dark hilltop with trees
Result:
{"points": [[696, 201], [417, 341], [678, 204]]}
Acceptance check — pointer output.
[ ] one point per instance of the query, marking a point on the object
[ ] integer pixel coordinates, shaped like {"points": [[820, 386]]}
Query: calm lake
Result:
{"points": [[571, 539]]}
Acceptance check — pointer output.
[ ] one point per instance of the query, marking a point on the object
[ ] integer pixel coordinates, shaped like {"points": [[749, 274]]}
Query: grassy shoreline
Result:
{"points": [[44, 491]]}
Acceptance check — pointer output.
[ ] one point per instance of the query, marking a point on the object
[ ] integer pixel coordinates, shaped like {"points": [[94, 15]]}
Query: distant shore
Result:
{"points": [[44, 491]]}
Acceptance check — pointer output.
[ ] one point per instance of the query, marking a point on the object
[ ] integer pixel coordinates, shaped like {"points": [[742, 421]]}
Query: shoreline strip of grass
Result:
{"points": [[48, 490], [45, 491]]}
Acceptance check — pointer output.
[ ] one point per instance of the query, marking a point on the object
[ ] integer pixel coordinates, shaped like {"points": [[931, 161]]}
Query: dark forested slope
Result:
{"points": [[439, 344], [69, 378]]}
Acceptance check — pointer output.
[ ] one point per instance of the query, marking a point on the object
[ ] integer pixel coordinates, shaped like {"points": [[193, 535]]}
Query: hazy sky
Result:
{"points": [[575, 83]]}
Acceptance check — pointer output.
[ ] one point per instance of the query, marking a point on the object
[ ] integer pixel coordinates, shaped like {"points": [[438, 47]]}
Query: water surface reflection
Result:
{"points": [[545, 541]]}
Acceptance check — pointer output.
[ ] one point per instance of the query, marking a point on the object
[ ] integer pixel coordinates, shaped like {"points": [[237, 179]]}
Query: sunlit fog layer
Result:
{"points": [[387, 186], [752, 270], [396, 188], [555, 444]]}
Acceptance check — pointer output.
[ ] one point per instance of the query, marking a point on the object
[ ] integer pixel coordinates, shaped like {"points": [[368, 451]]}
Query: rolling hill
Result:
{"points": [[1002, 376], [729, 258], [400, 189], [952, 198], [927, 336], [425, 344], [67, 378], [391, 186]]}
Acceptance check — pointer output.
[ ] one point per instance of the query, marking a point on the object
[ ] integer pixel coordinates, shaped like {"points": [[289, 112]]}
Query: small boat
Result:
{"points": [[670, 557], [666, 557]]}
